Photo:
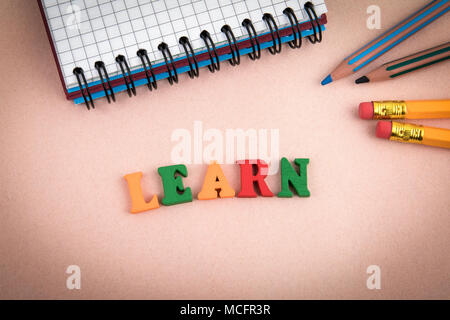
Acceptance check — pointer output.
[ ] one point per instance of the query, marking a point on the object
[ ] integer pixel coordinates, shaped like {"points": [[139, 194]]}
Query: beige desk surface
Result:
{"points": [[64, 202]]}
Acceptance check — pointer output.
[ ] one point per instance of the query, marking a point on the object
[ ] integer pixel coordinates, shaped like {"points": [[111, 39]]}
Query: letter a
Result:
{"points": [[215, 183], [138, 203]]}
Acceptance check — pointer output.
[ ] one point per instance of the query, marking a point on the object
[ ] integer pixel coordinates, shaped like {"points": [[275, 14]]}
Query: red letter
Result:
{"points": [[247, 178]]}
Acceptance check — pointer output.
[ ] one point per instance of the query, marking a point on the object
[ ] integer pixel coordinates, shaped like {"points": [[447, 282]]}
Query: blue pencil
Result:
{"points": [[389, 40]]}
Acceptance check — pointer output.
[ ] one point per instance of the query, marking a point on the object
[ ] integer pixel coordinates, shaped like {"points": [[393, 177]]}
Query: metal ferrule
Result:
{"points": [[389, 110], [406, 132]]}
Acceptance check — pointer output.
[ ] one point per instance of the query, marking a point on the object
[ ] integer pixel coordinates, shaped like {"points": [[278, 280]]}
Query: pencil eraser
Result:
{"points": [[384, 129], [366, 110]]}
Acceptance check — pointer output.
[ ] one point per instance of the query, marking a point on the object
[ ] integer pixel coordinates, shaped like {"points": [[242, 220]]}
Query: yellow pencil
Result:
{"points": [[420, 109], [412, 133]]}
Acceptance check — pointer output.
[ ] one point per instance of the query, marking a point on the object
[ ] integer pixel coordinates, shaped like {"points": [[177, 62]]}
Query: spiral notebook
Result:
{"points": [[103, 47]]}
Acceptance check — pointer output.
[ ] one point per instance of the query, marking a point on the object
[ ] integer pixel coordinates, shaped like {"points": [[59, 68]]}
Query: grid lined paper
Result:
{"points": [[86, 31]]}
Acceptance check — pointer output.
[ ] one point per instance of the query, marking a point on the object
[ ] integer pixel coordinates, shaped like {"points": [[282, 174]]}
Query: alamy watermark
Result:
{"points": [[374, 20], [73, 281], [73, 20], [202, 146], [374, 280]]}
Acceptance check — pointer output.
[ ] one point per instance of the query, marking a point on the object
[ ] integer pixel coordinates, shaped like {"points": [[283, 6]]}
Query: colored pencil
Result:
{"points": [[420, 109], [389, 40], [405, 65], [412, 133]]}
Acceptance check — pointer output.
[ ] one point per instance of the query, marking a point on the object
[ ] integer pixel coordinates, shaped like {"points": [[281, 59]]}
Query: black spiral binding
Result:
{"points": [[207, 39], [309, 8], [256, 54], [151, 80], [234, 49], [127, 77], [275, 33], [296, 43], [184, 41], [214, 65], [173, 75], [79, 73], [101, 69]]}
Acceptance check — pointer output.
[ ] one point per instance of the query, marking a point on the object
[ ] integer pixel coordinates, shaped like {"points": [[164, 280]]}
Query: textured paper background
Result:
{"points": [[64, 201]]}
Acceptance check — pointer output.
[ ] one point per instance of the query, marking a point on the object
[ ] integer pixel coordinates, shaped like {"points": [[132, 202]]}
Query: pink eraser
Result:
{"points": [[384, 129], [366, 110]]}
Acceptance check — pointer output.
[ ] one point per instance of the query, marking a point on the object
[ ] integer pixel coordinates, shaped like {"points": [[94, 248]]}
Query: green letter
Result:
{"points": [[174, 192], [289, 177]]}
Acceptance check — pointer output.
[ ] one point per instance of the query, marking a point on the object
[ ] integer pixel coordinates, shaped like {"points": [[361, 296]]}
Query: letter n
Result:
{"points": [[290, 178]]}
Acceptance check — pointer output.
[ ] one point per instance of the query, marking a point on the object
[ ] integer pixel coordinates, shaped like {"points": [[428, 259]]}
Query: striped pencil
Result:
{"points": [[394, 69], [373, 50]]}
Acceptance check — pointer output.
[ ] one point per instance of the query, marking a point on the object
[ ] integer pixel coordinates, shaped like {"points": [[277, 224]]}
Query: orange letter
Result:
{"points": [[138, 203], [215, 181]]}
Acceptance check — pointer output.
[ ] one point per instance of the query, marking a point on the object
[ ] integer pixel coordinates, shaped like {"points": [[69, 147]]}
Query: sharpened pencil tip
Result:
{"points": [[327, 80], [363, 79]]}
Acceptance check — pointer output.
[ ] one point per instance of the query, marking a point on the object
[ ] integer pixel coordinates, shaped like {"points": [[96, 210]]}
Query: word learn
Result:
{"points": [[215, 184]]}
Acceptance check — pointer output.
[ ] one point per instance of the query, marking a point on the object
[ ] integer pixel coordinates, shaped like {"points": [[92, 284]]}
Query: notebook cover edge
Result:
{"points": [[55, 56]]}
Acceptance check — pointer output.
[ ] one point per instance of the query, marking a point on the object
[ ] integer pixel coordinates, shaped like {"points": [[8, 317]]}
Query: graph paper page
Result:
{"points": [[86, 31]]}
